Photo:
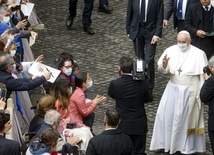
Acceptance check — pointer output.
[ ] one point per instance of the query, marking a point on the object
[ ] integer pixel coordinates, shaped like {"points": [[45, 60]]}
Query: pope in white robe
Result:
{"points": [[179, 124]]}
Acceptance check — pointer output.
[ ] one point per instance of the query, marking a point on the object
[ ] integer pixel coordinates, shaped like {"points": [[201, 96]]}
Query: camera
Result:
{"points": [[17, 59], [17, 7], [70, 126], [207, 70], [3, 93], [138, 69], [25, 17]]}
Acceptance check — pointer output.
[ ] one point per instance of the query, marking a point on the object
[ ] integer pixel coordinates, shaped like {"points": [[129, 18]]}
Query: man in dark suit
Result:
{"points": [[86, 16], [144, 26], [7, 65], [7, 146], [130, 96], [173, 6], [111, 141], [207, 97], [200, 24]]}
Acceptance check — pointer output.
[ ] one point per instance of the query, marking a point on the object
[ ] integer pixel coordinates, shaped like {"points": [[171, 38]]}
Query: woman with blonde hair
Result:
{"points": [[45, 103]]}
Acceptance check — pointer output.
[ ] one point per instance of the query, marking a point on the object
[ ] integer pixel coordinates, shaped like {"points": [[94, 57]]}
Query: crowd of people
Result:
{"points": [[64, 118]]}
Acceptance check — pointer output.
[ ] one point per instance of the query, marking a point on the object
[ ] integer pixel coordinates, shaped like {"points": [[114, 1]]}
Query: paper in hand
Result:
{"points": [[39, 69]]}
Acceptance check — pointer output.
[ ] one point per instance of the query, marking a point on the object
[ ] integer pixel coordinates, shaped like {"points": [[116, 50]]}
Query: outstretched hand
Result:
{"points": [[165, 61]]}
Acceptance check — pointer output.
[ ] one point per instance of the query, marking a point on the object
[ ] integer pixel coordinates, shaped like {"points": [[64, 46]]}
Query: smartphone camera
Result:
{"points": [[3, 93], [17, 7], [25, 17]]}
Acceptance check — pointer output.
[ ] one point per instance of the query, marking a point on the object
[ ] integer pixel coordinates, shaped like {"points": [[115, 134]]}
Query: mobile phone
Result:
{"points": [[3, 93], [25, 17], [17, 7]]}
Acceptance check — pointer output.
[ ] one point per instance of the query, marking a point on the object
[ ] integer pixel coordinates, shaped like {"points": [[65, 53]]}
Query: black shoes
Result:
{"points": [[88, 30], [69, 21], [105, 8]]}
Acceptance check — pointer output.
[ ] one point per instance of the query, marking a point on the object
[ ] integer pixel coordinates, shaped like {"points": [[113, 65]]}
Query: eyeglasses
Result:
{"points": [[68, 66]]}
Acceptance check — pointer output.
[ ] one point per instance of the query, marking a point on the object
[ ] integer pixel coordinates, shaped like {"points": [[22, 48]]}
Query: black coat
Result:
{"points": [[110, 142], [207, 97], [130, 96], [194, 22], [154, 18], [22, 84], [171, 7], [9, 147]]}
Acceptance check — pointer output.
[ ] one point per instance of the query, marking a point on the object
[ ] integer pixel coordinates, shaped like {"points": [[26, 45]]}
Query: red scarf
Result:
{"points": [[68, 77]]}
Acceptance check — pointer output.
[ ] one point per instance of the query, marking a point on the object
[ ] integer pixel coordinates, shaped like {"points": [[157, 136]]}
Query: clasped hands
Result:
{"points": [[73, 140], [99, 99]]}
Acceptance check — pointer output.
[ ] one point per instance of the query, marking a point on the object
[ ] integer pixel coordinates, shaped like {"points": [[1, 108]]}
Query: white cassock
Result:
{"points": [[179, 124]]}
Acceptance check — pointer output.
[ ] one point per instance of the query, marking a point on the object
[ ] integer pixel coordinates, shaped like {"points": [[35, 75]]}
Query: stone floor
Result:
{"points": [[97, 54]]}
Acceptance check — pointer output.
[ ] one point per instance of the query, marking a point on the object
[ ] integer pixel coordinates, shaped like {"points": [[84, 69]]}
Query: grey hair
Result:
{"points": [[185, 32], [3, 8], [211, 61], [51, 116], [5, 61]]}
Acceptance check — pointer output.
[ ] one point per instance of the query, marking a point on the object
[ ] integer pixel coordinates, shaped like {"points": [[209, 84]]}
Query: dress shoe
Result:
{"points": [[105, 8], [88, 30], [69, 21]]}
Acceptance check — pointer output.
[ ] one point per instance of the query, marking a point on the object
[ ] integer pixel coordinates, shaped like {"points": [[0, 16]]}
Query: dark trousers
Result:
{"points": [[103, 2], [139, 143], [180, 25], [206, 44], [211, 136], [146, 51], [86, 16], [89, 120]]}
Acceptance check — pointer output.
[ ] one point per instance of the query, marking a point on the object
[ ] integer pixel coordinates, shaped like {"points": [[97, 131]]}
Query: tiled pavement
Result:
{"points": [[97, 54]]}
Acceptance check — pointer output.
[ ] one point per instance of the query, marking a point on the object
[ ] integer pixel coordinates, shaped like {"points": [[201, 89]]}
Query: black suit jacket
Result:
{"points": [[130, 96], [194, 22], [171, 7], [9, 147], [110, 142], [207, 96], [154, 18], [22, 84]]}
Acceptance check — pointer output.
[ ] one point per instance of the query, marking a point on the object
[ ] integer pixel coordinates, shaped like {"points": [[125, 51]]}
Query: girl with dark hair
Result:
{"points": [[44, 145], [78, 107]]}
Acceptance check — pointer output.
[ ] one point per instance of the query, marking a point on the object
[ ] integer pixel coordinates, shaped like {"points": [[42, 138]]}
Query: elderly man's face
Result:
{"points": [[11, 65], [183, 39], [205, 2], [4, 14], [183, 42]]}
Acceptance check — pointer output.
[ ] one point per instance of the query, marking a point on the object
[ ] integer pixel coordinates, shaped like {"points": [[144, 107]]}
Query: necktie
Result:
{"points": [[206, 8], [143, 10], [179, 9]]}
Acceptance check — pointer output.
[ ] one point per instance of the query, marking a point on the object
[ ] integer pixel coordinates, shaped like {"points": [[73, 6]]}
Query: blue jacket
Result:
{"points": [[23, 84]]}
